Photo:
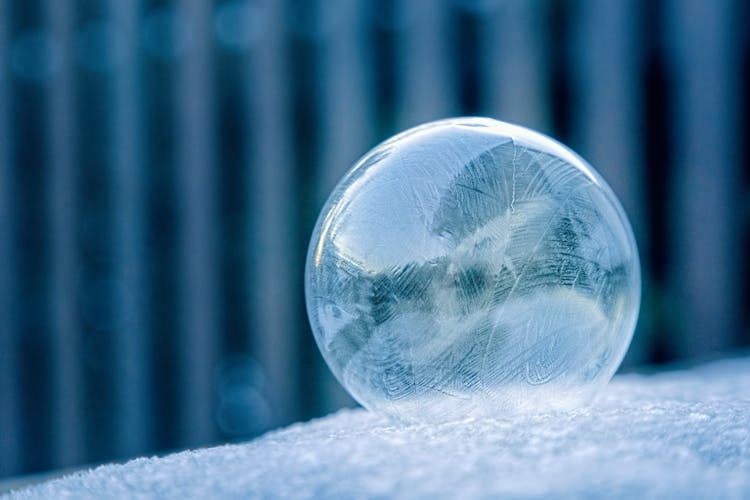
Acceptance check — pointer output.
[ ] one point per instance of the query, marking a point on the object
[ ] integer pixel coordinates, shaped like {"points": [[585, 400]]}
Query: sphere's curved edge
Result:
{"points": [[521, 136], [312, 249]]}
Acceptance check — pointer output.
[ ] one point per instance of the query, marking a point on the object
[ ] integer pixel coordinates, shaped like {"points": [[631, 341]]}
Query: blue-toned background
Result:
{"points": [[162, 164]]}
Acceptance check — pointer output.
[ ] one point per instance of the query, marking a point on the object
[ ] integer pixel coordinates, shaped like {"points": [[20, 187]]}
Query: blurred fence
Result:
{"points": [[162, 163]]}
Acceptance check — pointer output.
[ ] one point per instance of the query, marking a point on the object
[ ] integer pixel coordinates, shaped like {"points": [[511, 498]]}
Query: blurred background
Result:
{"points": [[162, 164]]}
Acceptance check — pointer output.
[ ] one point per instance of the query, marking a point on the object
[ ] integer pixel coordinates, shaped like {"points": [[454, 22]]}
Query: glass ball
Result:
{"points": [[472, 268]]}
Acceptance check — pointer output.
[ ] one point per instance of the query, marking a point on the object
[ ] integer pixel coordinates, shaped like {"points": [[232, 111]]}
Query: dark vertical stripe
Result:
{"points": [[96, 291], [162, 40], [561, 93], [658, 136], [232, 153], [467, 58], [29, 160], [10, 420], [305, 114], [744, 132]]}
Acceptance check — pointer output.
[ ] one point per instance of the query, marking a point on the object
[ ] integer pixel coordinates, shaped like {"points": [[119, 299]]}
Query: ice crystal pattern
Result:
{"points": [[472, 268]]}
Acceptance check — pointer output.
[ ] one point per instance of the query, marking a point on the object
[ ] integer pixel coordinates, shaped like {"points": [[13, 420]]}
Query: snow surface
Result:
{"points": [[682, 434]]}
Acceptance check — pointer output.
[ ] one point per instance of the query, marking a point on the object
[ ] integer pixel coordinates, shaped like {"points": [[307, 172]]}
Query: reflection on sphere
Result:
{"points": [[472, 268]]}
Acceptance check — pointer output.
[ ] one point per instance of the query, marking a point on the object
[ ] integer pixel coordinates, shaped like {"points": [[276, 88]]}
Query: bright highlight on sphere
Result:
{"points": [[472, 268]]}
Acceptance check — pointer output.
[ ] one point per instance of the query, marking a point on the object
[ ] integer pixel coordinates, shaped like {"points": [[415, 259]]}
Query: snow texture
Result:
{"points": [[682, 434]]}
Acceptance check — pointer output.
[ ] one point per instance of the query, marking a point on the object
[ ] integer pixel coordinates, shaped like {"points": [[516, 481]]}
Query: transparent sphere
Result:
{"points": [[472, 268]]}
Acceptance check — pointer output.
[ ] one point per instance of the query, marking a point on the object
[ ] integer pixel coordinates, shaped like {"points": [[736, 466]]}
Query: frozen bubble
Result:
{"points": [[472, 268]]}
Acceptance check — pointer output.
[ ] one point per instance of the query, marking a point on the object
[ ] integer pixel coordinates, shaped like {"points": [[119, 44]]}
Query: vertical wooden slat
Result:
{"points": [[607, 58], [515, 61], [744, 98], [232, 155], [67, 384], [424, 81], [272, 221], [98, 292], [132, 388], [346, 130], [163, 40], [236, 24], [702, 38], [34, 61], [302, 44], [197, 253], [464, 58], [9, 357]]}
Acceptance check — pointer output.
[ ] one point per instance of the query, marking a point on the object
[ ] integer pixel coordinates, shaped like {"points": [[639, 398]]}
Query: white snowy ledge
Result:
{"points": [[681, 434]]}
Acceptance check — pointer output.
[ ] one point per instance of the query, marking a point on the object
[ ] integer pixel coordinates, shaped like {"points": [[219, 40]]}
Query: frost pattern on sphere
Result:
{"points": [[470, 267]]}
